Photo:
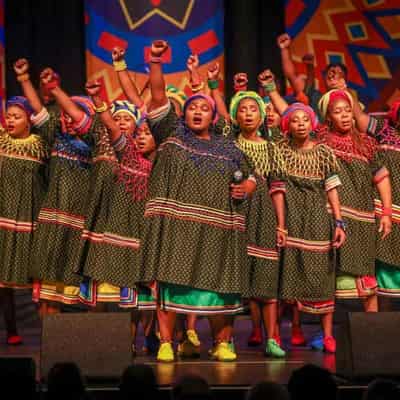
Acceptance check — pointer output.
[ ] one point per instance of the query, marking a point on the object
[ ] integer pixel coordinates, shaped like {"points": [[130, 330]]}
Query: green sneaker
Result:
{"points": [[274, 350]]}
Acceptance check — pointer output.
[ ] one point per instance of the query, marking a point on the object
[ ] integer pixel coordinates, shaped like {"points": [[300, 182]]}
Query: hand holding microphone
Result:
{"points": [[241, 188]]}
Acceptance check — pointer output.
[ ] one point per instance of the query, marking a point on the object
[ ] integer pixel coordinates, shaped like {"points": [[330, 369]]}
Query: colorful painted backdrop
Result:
{"points": [[362, 34], [189, 26]]}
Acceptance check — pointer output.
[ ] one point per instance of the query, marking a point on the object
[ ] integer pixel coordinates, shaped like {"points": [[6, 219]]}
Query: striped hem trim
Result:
{"points": [[388, 292], [277, 186], [57, 217], [12, 285], [332, 182], [111, 159], [133, 171], [358, 215], [112, 239], [395, 211], [262, 252], [37, 120], [317, 307], [380, 174], [309, 245], [386, 147], [195, 213], [16, 226], [179, 308], [67, 156], [157, 114], [50, 295], [179, 143], [22, 157]]}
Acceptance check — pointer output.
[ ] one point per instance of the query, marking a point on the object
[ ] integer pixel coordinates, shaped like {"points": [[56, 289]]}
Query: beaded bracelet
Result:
{"points": [[155, 59], [269, 87], [213, 84], [339, 223], [23, 77], [387, 211], [120, 65], [282, 230], [198, 87], [102, 108]]}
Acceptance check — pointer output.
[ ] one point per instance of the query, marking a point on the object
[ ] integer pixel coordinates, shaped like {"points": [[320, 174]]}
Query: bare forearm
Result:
{"points": [[31, 95], [333, 200], [362, 119], [129, 88], [384, 188], [157, 86], [278, 201], [220, 104], [288, 67], [278, 101], [107, 119], [67, 104]]}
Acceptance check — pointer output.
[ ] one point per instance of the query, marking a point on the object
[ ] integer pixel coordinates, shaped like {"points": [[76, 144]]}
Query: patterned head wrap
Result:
{"points": [[87, 106], [178, 95], [21, 102], [328, 98], [119, 106], [209, 100], [239, 96], [298, 107]]}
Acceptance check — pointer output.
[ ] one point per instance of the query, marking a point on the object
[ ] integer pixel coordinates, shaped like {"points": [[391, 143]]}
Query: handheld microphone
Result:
{"points": [[238, 177]]}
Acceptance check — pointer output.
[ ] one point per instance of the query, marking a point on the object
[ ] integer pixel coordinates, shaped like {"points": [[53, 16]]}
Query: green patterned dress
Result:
{"points": [[308, 267], [110, 249], [23, 182], [194, 239], [61, 216], [388, 250], [358, 170], [261, 221]]}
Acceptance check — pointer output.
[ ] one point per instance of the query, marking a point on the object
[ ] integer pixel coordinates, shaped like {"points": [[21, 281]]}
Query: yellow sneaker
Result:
{"points": [[165, 352], [223, 352], [192, 337]]}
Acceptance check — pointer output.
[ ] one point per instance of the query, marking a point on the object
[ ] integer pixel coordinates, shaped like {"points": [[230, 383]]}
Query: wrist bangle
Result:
{"points": [[339, 223], [239, 88], [269, 87], [120, 65], [23, 77], [282, 230], [198, 87], [155, 59], [213, 84], [102, 108], [387, 211], [51, 85]]}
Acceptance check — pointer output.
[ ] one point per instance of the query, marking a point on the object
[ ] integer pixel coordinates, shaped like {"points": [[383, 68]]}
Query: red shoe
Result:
{"points": [[255, 338], [329, 344], [14, 340], [298, 338], [278, 340]]}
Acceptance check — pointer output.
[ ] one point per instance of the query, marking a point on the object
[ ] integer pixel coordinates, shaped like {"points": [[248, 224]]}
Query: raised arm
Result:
{"points": [[308, 61], [362, 118], [267, 81], [93, 89], [284, 41], [157, 82], [125, 81], [51, 83], [21, 68], [213, 83], [192, 66]]}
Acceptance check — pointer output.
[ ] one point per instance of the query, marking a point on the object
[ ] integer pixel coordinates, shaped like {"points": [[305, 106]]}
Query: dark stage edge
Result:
{"points": [[226, 379]]}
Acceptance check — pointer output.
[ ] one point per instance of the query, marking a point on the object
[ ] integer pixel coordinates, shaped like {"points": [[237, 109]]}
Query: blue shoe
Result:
{"points": [[317, 342], [151, 344]]}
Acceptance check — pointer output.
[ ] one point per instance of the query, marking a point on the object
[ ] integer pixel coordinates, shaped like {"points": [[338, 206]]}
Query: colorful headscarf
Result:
{"points": [[21, 102], [119, 106], [298, 107], [178, 95], [239, 96], [328, 98], [209, 100]]}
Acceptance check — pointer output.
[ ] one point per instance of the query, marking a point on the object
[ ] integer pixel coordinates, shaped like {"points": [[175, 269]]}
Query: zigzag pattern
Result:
{"points": [[362, 34]]}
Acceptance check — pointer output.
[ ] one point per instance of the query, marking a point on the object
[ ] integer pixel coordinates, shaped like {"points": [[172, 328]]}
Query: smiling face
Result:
{"points": [[144, 139], [125, 122], [17, 122], [340, 114], [198, 115], [248, 115], [300, 125]]}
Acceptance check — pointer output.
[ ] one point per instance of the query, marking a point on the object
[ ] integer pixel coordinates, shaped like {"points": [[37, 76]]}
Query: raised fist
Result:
{"points": [[48, 76], [213, 72], [93, 88], [284, 41], [240, 79], [118, 54], [266, 77], [192, 62], [21, 66], [158, 48]]}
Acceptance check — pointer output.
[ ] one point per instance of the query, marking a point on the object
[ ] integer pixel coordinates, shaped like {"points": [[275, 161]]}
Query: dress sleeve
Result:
{"points": [[163, 122]]}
